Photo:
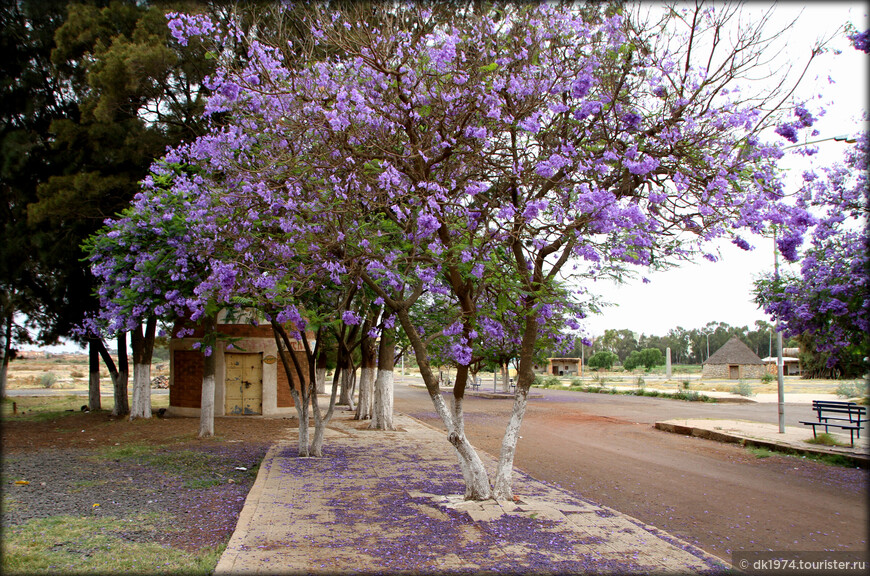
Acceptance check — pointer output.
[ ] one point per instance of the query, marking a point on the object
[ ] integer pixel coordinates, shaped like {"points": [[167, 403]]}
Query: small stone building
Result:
{"points": [[733, 361], [249, 376]]}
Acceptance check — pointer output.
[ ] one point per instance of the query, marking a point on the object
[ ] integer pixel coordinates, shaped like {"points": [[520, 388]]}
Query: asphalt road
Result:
{"points": [[717, 496]]}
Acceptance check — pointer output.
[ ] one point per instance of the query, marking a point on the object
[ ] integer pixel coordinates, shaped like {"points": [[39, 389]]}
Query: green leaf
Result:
{"points": [[489, 67]]}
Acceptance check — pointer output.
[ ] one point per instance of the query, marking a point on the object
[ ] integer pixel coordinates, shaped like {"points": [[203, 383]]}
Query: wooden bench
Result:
{"points": [[844, 415]]}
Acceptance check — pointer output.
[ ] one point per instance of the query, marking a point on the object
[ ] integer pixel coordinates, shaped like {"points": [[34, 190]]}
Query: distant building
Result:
{"points": [[733, 361], [564, 367], [791, 364]]}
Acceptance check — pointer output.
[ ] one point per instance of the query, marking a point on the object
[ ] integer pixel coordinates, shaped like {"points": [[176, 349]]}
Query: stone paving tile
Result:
{"points": [[392, 503]]}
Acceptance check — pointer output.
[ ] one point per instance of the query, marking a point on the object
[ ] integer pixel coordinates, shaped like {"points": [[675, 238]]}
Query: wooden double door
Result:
{"points": [[243, 384]]}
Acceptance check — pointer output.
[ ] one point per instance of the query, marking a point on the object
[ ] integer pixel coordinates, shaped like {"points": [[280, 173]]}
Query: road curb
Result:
{"points": [[860, 460]]}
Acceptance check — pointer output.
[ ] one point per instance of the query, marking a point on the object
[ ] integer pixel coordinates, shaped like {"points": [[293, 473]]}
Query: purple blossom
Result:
{"points": [[787, 131], [631, 120], [351, 318], [861, 41]]}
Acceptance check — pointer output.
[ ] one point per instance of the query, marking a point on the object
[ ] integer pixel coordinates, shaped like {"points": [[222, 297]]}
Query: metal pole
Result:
{"points": [[780, 385]]}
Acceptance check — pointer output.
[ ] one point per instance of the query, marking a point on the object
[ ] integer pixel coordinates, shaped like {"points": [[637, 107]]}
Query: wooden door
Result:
{"points": [[734, 372], [244, 383]]}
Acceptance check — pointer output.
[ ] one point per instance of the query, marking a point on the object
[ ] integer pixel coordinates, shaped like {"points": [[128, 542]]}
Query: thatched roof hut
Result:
{"points": [[734, 360]]}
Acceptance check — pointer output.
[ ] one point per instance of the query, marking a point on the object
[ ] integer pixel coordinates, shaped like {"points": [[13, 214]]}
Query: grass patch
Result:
{"points": [[759, 452], [196, 469], [690, 396], [42, 408], [69, 545], [827, 459], [825, 439]]}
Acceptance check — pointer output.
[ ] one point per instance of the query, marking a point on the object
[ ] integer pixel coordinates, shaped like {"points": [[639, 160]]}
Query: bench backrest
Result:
{"points": [[834, 407]]}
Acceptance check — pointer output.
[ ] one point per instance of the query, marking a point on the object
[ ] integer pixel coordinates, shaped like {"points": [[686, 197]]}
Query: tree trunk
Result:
{"points": [[206, 412], [382, 410], [366, 377], [320, 373], [477, 486], [505, 378], [320, 422], [122, 402], [94, 402], [143, 347], [209, 361], [525, 376], [5, 350], [346, 397], [300, 397]]}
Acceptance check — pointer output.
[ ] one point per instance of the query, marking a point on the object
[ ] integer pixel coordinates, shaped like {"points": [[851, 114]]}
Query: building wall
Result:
{"points": [[565, 366], [723, 371], [185, 372]]}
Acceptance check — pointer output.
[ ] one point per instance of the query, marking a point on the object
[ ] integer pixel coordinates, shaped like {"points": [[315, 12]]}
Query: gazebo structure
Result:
{"points": [[733, 361]]}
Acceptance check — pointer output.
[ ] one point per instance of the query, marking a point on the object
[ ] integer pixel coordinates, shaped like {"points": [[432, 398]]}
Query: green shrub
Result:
{"points": [[603, 359], [767, 378], [742, 389], [576, 382], [640, 382], [552, 382], [686, 384], [647, 358], [539, 381], [851, 389], [48, 380]]}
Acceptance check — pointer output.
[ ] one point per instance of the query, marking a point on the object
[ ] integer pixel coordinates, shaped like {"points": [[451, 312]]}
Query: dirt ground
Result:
{"points": [[68, 473]]}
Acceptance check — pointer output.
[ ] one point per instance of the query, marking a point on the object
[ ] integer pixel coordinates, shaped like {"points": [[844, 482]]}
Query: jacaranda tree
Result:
{"points": [[827, 306], [435, 154]]}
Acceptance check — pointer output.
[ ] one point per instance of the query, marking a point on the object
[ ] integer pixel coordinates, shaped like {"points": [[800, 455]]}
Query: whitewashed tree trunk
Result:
{"points": [[366, 389], [382, 408], [206, 411], [477, 486], [320, 380], [321, 421], [505, 378], [504, 471], [141, 405], [209, 366], [143, 347], [525, 376]]}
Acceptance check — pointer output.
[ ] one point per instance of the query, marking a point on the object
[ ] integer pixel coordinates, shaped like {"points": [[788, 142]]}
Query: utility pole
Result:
{"points": [[780, 386]]}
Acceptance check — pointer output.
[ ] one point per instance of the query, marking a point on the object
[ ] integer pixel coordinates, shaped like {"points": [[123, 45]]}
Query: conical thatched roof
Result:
{"points": [[734, 352]]}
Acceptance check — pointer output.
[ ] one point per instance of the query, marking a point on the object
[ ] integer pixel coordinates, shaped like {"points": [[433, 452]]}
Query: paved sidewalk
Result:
{"points": [[794, 438], [390, 502]]}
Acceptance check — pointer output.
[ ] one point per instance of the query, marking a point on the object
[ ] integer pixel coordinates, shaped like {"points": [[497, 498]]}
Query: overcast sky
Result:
{"points": [[698, 293]]}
